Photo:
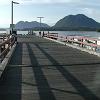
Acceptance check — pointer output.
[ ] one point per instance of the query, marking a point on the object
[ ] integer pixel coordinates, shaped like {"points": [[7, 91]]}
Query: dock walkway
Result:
{"points": [[44, 70]]}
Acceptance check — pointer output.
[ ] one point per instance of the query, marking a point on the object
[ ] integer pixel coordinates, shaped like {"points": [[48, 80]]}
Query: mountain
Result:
{"points": [[72, 22], [30, 25], [77, 22]]}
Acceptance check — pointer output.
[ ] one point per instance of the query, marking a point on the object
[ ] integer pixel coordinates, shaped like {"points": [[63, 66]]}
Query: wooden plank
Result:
{"points": [[44, 70]]}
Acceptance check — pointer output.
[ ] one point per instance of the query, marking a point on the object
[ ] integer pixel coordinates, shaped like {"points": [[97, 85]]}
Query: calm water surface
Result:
{"points": [[93, 34]]}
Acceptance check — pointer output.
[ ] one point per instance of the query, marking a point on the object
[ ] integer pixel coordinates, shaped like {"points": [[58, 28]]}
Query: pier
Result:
{"points": [[41, 69]]}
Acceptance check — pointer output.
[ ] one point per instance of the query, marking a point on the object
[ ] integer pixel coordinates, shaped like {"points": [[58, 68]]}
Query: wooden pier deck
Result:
{"points": [[44, 70]]}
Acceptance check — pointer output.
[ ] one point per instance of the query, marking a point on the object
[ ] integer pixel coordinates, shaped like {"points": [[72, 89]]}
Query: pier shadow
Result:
{"points": [[11, 80], [65, 91], [43, 87], [83, 91]]}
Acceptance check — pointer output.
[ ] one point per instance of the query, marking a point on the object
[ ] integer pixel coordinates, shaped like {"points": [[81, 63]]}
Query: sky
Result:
{"points": [[51, 10]]}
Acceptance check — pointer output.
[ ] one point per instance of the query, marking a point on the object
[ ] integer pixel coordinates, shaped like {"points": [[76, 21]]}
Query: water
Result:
{"points": [[22, 32], [92, 34], [18, 32], [2, 32], [79, 33]]}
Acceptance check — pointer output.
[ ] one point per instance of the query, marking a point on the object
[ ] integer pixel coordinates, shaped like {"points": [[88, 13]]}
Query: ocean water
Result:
{"points": [[18, 32], [92, 34], [2, 32]]}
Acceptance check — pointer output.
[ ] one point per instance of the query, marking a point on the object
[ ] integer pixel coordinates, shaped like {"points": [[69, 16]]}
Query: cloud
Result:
{"points": [[4, 2], [87, 10], [29, 2], [48, 1], [92, 13], [7, 2]]}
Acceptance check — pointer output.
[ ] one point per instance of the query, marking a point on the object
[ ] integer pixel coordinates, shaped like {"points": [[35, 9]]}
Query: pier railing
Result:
{"points": [[81, 41], [5, 47]]}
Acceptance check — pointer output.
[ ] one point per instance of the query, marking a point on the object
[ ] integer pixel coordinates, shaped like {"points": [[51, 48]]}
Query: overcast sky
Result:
{"points": [[51, 10]]}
